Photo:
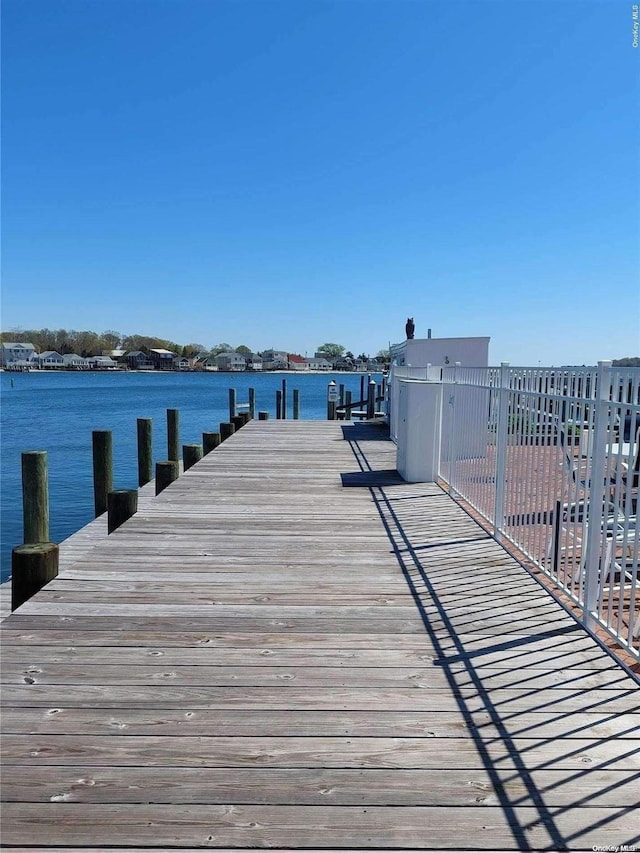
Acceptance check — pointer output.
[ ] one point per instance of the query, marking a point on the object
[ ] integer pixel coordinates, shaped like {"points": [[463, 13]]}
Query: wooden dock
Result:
{"points": [[290, 648]]}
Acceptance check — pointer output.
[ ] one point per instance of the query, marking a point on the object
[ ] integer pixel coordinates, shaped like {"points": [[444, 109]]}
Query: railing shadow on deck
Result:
{"points": [[489, 721]]}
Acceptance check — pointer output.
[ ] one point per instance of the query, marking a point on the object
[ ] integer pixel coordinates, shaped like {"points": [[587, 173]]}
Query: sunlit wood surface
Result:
{"points": [[292, 648]]}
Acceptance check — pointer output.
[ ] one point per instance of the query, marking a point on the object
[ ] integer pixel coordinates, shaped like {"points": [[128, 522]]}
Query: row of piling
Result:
{"points": [[36, 561]]}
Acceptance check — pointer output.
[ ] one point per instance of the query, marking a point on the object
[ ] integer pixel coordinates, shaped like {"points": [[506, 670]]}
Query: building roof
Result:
{"points": [[297, 359], [14, 344], [48, 353]]}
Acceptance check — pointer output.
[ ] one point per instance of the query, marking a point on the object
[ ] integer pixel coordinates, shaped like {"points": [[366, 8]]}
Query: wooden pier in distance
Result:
{"points": [[291, 648]]}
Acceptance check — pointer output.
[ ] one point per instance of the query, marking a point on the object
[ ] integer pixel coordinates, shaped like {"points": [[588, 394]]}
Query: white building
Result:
{"points": [[17, 356], [441, 352], [49, 360], [74, 362]]}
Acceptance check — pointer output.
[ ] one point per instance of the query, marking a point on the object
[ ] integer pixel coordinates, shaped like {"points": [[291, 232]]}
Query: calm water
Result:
{"points": [[57, 412]]}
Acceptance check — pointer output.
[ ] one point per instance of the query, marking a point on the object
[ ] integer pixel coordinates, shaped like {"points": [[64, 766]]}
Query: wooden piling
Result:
{"points": [[371, 400], [283, 403], [102, 441], [226, 431], [210, 440], [332, 398], [191, 453], [246, 417], [263, 416], [32, 566], [341, 394], [173, 435], [296, 404], [252, 402], [145, 451], [121, 505], [347, 408], [237, 421], [232, 403], [35, 497], [278, 404], [166, 472]]}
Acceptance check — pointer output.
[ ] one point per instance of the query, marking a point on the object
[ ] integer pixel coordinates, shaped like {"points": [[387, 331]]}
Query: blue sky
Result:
{"points": [[289, 172]]}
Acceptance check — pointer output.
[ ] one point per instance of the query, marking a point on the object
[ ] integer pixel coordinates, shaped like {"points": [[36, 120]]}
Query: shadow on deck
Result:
{"points": [[497, 632]]}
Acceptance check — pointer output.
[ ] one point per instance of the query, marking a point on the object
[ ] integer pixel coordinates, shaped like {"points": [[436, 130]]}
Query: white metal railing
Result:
{"points": [[550, 458]]}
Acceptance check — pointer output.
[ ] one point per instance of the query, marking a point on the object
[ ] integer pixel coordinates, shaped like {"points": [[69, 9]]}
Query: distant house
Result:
{"points": [[344, 363], [138, 360], [17, 356], [253, 362], [297, 362], [182, 363], [162, 359], [74, 362], [231, 361], [101, 362], [49, 360], [273, 359], [319, 364]]}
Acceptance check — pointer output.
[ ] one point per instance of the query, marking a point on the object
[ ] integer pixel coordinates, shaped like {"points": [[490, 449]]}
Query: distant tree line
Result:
{"points": [[626, 362], [87, 343]]}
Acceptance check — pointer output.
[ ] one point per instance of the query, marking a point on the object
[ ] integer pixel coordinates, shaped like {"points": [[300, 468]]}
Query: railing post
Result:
{"points": [[145, 463], [595, 500], [35, 497], [453, 440], [347, 405], [173, 441], [502, 435], [296, 404], [232, 403], [102, 441]]}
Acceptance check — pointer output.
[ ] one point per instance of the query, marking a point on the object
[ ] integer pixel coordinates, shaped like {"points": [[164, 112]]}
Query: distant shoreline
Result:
{"points": [[55, 370]]}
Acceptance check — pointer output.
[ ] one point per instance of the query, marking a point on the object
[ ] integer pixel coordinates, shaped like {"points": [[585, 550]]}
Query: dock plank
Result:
{"points": [[292, 648]]}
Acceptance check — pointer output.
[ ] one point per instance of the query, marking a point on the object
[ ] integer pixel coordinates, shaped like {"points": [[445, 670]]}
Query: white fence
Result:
{"points": [[550, 459]]}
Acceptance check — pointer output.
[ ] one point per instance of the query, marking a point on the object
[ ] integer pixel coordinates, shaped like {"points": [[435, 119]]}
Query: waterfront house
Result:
{"points": [[101, 362], [231, 362], [253, 362], [138, 360], [316, 363], [182, 363], [162, 359], [297, 362], [17, 356], [74, 362], [49, 360], [273, 359]]}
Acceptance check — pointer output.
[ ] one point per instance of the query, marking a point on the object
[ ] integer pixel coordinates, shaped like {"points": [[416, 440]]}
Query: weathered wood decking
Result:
{"points": [[291, 648]]}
